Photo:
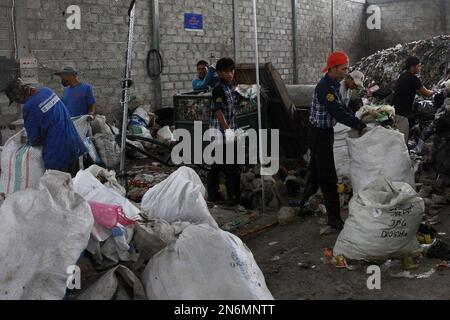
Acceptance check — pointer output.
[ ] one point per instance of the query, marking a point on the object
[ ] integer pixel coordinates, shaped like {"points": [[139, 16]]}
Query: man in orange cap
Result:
{"points": [[328, 108]]}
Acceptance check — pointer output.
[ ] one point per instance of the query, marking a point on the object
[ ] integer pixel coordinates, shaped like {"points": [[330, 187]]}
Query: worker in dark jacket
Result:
{"points": [[48, 124], [327, 109]]}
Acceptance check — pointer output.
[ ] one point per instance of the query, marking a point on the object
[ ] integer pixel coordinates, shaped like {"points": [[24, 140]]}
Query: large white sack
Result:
{"points": [[45, 231], [181, 197], [382, 223], [21, 165], [379, 152], [108, 149], [93, 190], [205, 264], [340, 149]]}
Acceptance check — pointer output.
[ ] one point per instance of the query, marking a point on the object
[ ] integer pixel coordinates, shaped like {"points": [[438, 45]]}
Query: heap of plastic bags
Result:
{"points": [[384, 67]]}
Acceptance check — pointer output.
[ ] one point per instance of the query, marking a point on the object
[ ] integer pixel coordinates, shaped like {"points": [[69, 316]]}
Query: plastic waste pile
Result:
{"points": [[384, 67]]}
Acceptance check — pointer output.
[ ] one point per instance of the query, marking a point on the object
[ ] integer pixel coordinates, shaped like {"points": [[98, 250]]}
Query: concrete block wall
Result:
{"points": [[351, 29], [407, 20], [315, 34], [182, 49], [98, 50], [6, 42], [275, 40]]}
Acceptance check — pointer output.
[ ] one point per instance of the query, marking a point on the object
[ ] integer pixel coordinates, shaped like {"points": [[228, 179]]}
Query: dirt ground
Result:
{"points": [[300, 243]]}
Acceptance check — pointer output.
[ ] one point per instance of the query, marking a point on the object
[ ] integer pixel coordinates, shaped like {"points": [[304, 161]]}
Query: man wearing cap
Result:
{"points": [[48, 124], [354, 80], [327, 109], [78, 97]]}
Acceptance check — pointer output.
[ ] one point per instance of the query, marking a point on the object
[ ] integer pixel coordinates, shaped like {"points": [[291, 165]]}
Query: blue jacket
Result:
{"points": [[48, 124], [328, 107], [210, 80]]}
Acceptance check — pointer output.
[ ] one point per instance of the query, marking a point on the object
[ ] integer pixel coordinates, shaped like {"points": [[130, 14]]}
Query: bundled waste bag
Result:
{"points": [[340, 149], [154, 235], [181, 197], [45, 232], [380, 151], [205, 264], [21, 165], [383, 221]]}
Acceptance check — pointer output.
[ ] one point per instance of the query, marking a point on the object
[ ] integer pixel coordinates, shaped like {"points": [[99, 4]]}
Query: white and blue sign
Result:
{"points": [[193, 22]]}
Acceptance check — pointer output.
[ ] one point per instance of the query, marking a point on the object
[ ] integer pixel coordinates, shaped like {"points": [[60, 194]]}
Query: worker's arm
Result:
{"points": [[425, 92], [217, 106], [339, 111], [91, 109], [90, 100], [31, 124], [198, 84], [223, 123]]}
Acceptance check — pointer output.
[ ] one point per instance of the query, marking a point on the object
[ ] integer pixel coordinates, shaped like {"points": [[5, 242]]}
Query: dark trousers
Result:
{"points": [[322, 171], [232, 176]]}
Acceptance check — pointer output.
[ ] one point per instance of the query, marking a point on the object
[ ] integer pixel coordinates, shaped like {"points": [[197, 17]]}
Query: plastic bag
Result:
{"points": [[181, 197], [45, 232], [379, 152], [108, 215], [205, 264], [383, 221]]}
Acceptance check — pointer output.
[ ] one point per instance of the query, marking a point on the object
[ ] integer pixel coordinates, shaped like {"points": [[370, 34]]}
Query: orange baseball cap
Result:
{"points": [[335, 59]]}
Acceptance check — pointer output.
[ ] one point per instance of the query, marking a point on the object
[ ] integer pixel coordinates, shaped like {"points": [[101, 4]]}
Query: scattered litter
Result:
{"points": [[340, 262], [275, 258], [286, 215], [326, 230], [273, 243], [442, 265], [426, 275], [404, 274]]}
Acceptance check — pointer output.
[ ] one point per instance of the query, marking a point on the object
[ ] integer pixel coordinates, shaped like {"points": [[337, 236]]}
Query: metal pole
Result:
{"points": [[157, 46], [255, 23], [236, 30], [126, 87], [294, 39], [332, 26]]}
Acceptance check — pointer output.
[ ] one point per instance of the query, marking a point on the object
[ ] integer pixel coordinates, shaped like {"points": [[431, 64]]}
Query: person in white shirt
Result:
{"points": [[353, 81]]}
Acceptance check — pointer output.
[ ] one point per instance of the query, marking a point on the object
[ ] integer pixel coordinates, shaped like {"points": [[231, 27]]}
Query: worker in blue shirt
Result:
{"points": [[48, 124], [328, 108], [207, 77], [78, 97]]}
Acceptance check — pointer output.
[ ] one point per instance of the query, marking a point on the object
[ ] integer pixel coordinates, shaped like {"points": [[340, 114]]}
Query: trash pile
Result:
{"points": [[430, 139], [384, 67], [159, 249], [278, 189]]}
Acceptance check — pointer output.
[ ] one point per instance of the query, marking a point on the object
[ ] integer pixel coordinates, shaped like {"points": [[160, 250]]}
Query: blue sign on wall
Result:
{"points": [[193, 22]]}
